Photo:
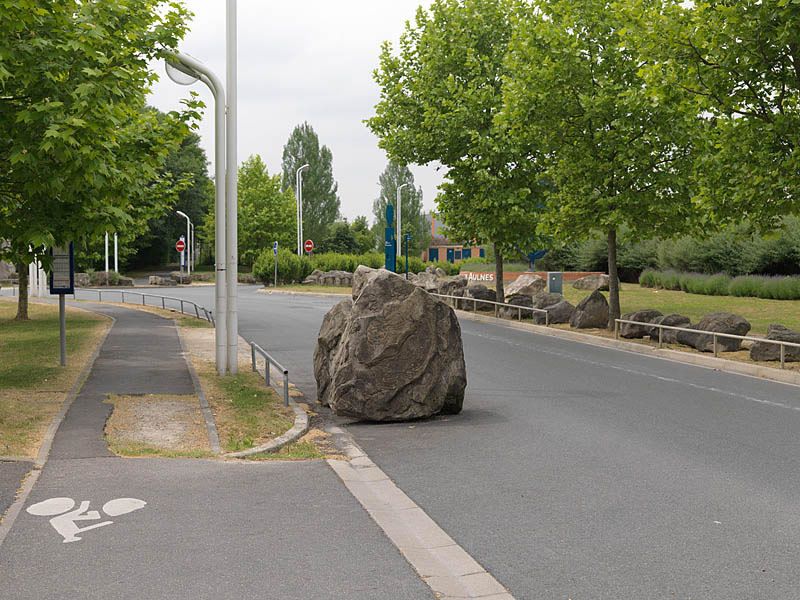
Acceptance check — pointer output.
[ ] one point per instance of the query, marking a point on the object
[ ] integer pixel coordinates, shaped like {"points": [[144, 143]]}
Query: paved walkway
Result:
{"points": [[209, 529]]}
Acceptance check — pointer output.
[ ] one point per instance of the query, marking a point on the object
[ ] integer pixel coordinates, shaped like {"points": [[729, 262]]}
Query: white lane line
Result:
{"points": [[441, 563], [634, 371]]}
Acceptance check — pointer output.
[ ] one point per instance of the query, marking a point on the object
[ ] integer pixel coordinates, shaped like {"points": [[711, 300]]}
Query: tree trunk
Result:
{"points": [[22, 301], [613, 280], [498, 274]]}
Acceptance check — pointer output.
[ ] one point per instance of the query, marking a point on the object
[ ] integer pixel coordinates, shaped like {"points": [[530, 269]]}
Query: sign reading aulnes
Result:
{"points": [[62, 275]]}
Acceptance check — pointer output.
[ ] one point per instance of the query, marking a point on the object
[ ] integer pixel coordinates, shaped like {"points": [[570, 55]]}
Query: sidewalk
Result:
{"points": [[209, 529]]}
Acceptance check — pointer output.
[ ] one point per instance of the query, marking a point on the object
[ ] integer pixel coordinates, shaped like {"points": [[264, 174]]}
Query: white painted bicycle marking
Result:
{"points": [[65, 519]]}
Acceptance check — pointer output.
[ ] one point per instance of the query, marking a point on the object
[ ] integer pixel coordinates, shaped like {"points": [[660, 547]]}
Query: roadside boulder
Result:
{"points": [[546, 299], [772, 352], [437, 271], [395, 354], [481, 294], [452, 286], [313, 277], [333, 326], [632, 332], [526, 284], [126, 281], [668, 336], [427, 281], [718, 323], [158, 280], [520, 300], [591, 312], [560, 312], [336, 278], [179, 277], [593, 282]]}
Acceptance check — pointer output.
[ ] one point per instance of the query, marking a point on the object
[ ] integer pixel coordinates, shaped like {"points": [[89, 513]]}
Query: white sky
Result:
{"points": [[306, 60]]}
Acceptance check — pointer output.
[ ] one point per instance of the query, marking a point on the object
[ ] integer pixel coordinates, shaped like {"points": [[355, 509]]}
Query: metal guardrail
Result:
{"points": [[497, 306], [715, 335], [268, 360], [207, 314]]}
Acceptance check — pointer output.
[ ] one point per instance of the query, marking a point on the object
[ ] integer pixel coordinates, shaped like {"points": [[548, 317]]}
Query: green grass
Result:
{"points": [[313, 289], [295, 451], [134, 450], [30, 349], [759, 312]]}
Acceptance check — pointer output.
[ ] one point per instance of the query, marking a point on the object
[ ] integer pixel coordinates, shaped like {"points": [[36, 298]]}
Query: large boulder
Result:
{"points": [[336, 278], [526, 284], [545, 299], [126, 281], [158, 280], [718, 323], [520, 300], [395, 354], [452, 286], [632, 332], [594, 282], [560, 312], [333, 326], [180, 277], [668, 336], [427, 281], [770, 352], [591, 312], [481, 294]]}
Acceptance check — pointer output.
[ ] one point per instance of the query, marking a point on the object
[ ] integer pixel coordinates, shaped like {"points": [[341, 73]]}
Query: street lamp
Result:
{"points": [[400, 221], [188, 241], [185, 70], [299, 194], [231, 187]]}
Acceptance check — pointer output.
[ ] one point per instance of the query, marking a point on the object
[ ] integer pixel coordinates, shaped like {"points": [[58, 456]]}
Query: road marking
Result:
{"points": [[441, 563], [65, 519], [637, 372]]}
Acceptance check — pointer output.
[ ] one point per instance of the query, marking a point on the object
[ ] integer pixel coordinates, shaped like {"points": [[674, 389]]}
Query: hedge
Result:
{"points": [[752, 286]]}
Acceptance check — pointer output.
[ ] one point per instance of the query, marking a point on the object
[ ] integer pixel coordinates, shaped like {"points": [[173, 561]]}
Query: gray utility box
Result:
{"points": [[555, 282]]}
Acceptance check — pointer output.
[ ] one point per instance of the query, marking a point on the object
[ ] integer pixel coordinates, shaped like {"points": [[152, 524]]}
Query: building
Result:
{"points": [[442, 249]]}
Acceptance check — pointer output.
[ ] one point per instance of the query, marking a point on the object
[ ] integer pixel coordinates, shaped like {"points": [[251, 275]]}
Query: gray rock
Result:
{"points": [[669, 336], [313, 278], [521, 300], [452, 286], [126, 281], [437, 271], [177, 277], [527, 284], [546, 299], [772, 352], [333, 326], [482, 294], [427, 281], [336, 278], [561, 312], [592, 283], [82, 280], [398, 356], [158, 280], [591, 312], [242, 278], [718, 323], [6, 270], [632, 332]]}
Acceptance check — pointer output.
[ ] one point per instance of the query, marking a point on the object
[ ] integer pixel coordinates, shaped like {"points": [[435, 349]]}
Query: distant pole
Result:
{"points": [[106, 258], [405, 239], [116, 253], [231, 187], [62, 319], [299, 194], [399, 233]]}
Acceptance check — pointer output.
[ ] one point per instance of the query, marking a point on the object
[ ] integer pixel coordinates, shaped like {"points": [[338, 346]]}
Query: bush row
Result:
{"points": [[293, 268], [751, 286]]}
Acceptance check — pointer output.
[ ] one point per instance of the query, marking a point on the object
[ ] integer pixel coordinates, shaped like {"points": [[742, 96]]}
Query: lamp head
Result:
{"points": [[180, 73]]}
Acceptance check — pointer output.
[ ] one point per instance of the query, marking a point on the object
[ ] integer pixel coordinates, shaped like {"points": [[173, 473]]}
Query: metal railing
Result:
{"points": [[179, 303], [454, 302], [714, 335], [268, 360]]}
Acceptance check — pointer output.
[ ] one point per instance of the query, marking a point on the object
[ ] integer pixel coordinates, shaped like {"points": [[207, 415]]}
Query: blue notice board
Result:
{"points": [[62, 273]]}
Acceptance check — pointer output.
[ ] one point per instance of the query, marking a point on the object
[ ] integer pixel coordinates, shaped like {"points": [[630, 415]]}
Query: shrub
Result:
{"points": [[751, 286], [290, 266]]}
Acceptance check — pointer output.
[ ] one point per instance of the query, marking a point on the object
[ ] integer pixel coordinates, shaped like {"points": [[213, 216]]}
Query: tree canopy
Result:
{"points": [[414, 222]]}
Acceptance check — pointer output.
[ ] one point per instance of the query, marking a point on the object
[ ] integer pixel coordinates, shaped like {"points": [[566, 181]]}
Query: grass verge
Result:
{"points": [[311, 289], [33, 385]]}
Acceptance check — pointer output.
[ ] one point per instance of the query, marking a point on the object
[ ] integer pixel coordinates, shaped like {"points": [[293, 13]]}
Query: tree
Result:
{"points": [[414, 222], [320, 197], [740, 62], [79, 154], [266, 213], [613, 151], [340, 239], [439, 98], [365, 240]]}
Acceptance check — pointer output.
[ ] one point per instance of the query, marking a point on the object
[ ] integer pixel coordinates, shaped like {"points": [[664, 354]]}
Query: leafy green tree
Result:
{"points": [[266, 213], [320, 190], [613, 151], [414, 222], [365, 239], [79, 154], [340, 239]]}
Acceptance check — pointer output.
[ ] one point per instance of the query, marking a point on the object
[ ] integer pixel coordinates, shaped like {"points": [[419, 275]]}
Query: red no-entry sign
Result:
{"points": [[308, 246], [180, 245]]}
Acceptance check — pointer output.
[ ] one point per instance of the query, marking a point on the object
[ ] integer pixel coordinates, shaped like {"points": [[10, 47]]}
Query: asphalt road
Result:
{"points": [[583, 472]]}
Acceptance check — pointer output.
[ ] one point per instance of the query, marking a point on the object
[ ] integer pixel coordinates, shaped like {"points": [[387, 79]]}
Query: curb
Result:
{"points": [[265, 290], [47, 442], [699, 360], [298, 430], [208, 416]]}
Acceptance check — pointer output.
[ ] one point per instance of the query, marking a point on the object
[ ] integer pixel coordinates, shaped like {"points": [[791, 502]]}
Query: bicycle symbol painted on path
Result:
{"points": [[65, 519]]}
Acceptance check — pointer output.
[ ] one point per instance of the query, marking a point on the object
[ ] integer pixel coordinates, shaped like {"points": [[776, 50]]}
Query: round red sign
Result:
{"points": [[309, 245], [180, 245]]}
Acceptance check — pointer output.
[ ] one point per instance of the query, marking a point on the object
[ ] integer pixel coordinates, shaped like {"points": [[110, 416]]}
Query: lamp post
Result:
{"points": [[188, 240], [400, 220], [185, 70], [299, 194], [231, 186], [116, 253]]}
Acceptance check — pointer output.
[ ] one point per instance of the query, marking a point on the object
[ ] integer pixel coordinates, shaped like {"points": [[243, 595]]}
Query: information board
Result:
{"points": [[62, 274]]}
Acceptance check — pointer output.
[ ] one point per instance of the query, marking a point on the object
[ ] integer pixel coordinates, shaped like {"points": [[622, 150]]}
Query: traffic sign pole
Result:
{"points": [[275, 254]]}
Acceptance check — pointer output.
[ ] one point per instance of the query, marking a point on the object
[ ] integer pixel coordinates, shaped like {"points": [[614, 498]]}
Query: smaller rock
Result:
{"points": [[427, 281], [772, 352], [592, 283], [452, 286], [158, 280], [482, 294], [527, 284], [546, 299], [668, 336], [313, 278], [591, 312], [561, 312], [632, 332], [179, 277], [126, 281], [718, 323], [520, 300]]}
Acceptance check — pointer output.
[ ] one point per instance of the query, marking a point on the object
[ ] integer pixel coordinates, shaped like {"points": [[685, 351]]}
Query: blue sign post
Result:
{"points": [[390, 243], [406, 239]]}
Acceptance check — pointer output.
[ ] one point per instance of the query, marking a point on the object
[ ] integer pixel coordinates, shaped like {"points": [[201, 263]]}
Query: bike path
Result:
{"points": [[196, 529]]}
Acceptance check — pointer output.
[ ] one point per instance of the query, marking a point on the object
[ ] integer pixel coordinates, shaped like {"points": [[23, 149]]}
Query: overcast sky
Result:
{"points": [[306, 60]]}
